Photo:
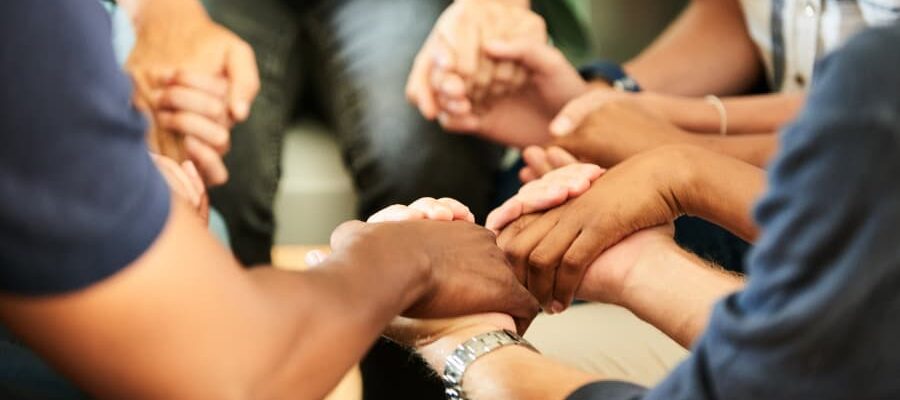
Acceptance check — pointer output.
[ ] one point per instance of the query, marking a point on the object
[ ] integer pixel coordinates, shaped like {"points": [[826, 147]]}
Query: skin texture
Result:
{"points": [[521, 118], [624, 128], [196, 78], [646, 272], [454, 47], [192, 110], [552, 190], [551, 252], [672, 100], [173, 303]]}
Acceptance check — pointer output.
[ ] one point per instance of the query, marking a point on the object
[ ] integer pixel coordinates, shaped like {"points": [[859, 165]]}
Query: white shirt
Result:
{"points": [[792, 34]]}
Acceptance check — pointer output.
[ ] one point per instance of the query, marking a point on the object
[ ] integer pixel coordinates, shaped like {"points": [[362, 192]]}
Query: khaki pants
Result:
{"points": [[609, 341]]}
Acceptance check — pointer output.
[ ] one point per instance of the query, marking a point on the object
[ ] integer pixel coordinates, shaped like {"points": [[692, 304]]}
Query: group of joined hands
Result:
{"points": [[573, 231]]}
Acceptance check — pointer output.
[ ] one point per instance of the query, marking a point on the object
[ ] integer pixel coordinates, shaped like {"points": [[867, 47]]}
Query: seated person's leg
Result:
{"points": [[395, 155], [607, 340], [246, 201]]}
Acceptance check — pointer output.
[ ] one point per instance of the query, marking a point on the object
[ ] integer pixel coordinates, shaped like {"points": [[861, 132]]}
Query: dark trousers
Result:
{"points": [[345, 62]]}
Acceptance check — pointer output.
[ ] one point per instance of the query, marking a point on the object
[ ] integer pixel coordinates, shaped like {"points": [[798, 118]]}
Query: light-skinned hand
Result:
{"points": [[520, 118], [552, 251], [455, 47], [194, 107], [552, 190], [540, 161]]}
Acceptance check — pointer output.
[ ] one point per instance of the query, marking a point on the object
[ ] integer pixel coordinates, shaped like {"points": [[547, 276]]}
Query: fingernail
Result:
{"points": [[561, 126], [557, 307]]}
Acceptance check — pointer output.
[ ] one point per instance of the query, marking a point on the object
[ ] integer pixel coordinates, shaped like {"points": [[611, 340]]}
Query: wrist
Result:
{"points": [[653, 256], [436, 352]]}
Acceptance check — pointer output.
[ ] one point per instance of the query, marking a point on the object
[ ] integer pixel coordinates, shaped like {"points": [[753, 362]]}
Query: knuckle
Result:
{"points": [[516, 253], [542, 260], [572, 262]]}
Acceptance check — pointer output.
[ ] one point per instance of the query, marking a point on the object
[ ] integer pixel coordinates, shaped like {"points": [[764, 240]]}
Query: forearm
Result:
{"points": [[720, 189], [194, 324], [745, 114], [325, 319], [705, 51], [756, 149], [512, 372], [675, 291]]}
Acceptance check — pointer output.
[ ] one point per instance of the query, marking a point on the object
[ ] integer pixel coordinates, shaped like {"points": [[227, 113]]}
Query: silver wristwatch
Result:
{"points": [[471, 350]]}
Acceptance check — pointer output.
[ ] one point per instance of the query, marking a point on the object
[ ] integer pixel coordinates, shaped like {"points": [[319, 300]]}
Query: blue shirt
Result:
{"points": [[80, 198], [820, 316]]}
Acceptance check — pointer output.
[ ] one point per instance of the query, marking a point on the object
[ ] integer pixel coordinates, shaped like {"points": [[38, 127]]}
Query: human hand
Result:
{"points": [[465, 272], [621, 128], [427, 208], [187, 39], [551, 251], [540, 161], [184, 181], [455, 47], [520, 118], [193, 107], [552, 190], [444, 209], [606, 277]]}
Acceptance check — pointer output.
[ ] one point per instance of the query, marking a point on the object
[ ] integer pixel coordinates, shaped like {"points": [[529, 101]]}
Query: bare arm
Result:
{"points": [[238, 334], [185, 321], [499, 375], [705, 51], [668, 287], [759, 114], [675, 291]]}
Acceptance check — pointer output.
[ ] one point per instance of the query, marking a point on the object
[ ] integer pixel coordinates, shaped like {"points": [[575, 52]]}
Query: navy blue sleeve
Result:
{"points": [[79, 196], [820, 316]]}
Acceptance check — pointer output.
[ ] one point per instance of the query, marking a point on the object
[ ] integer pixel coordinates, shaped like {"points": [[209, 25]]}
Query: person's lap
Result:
{"points": [[608, 341], [347, 62]]}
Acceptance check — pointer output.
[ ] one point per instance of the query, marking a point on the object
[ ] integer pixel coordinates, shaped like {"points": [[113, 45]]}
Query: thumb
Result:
{"points": [[344, 232], [571, 116], [243, 76]]}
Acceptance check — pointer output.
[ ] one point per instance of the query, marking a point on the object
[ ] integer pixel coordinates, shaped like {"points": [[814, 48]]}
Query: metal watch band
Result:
{"points": [[471, 350]]}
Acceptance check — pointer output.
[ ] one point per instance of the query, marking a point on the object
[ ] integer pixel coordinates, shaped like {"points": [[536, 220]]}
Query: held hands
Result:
{"points": [[552, 252], [553, 190], [521, 117], [196, 79], [454, 46], [466, 272], [186, 39], [487, 69], [193, 107]]}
